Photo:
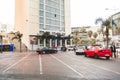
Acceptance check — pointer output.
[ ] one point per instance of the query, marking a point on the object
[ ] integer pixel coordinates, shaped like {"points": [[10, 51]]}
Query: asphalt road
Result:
{"points": [[60, 66]]}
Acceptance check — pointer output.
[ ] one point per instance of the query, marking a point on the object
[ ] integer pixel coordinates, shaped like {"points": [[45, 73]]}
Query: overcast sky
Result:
{"points": [[83, 12], [7, 11]]}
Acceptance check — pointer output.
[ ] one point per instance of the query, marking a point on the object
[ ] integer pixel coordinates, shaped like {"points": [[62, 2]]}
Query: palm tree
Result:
{"points": [[46, 36], [98, 31], [82, 29], [59, 36], [18, 36], [95, 36], [107, 24], [75, 38], [38, 37], [90, 33]]}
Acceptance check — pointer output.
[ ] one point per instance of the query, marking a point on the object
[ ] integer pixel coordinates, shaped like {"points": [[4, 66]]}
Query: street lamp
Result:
{"points": [[1, 46]]}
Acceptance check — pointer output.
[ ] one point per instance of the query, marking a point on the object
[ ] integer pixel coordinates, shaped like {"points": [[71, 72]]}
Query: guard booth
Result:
{"points": [[6, 47], [5, 44]]}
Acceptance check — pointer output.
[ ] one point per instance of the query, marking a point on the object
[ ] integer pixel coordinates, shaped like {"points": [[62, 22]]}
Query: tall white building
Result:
{"points": [[34, 17]]}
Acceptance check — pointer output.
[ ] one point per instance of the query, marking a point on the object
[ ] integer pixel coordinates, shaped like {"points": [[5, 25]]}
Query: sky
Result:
{"points": [[7, 11], [83, 12]]}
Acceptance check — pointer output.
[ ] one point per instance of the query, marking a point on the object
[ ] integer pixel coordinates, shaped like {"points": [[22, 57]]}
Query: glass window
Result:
{"points": [[41, 32], [41, 26], [62, 1], [48, 14], [48, 2], [62, 7], [57, 11], [41, 13], [63, 24], [63, 28], [41, 6], [58, 23], [58, 17], [48, 21], [48, 8], [42, 1], [62, 18], [41, 20], [58, 1], [62, 13], [48, 27]]}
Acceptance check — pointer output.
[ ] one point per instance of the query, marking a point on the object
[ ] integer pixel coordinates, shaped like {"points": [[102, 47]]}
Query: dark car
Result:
{"points": [[46, 50], [63, 48]]}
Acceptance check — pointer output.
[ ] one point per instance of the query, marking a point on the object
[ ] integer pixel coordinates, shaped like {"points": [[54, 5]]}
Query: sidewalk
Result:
{"points": [[118, 56]]}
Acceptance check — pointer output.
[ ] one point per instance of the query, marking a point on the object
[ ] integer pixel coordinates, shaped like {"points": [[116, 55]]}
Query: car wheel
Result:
{"points": [[107, 57], [96, 56], [39, 52], [55, 52], [76, 53], [85, 54], [43, 52]]}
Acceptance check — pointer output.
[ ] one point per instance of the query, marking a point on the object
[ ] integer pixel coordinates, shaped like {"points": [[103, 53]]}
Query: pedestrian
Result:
{"points": [[26, 48], [54, 47], [113, 50], [63, 48], [74, 49], [86, 47]]}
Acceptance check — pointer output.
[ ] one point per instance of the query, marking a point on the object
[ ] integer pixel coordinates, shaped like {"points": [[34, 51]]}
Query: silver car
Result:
{"points": [[79, 50]]}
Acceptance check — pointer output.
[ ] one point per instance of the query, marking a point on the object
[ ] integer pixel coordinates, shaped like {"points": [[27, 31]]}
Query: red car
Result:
{"points": [[96, 52]]}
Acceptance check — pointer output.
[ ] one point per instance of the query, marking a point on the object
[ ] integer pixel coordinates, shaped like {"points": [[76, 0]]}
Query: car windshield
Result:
{"points": [[46, 48]]}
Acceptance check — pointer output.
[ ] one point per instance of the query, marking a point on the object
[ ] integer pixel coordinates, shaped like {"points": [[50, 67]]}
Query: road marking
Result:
{"points": [[86, 62], [15, 63], [40, 62], [105, 69], [68, 66]]}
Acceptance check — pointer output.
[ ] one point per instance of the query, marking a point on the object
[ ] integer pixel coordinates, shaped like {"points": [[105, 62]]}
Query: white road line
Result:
{"points": [[97, 66], [68, 66], [15, 63], [105, 69], [40, 62]]}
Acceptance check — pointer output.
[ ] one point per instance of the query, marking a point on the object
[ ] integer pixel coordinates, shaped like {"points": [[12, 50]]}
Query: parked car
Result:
{"points": [[79, 50], [46, 50], [39, 48], [70, 48], [96, 51], [63, 48], [59, 48]]}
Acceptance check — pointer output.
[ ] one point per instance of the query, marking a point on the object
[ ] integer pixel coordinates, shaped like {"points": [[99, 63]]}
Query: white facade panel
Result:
{"points": [[27, 18]]}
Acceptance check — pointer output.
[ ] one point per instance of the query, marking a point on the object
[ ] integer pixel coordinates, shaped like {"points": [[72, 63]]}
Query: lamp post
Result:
{"points": [[1, 46]]}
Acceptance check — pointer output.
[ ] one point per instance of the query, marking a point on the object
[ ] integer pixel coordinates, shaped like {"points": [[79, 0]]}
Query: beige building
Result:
{"points": [[34, 17]]}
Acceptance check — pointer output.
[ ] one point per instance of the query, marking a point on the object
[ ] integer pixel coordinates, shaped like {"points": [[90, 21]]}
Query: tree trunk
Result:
{"points": [[20, 46], [107, 33], [38, 43]]}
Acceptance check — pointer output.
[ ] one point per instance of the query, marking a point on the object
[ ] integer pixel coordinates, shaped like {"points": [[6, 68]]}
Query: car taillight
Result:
{"points": [[100, 50]]}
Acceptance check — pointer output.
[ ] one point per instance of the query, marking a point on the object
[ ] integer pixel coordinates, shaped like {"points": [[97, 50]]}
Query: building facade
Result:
{"points": [[116, 23], [34, 17], [115, 18]]}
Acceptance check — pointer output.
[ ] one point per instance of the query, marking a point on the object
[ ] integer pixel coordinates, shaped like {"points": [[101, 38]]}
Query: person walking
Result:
{"points": [[74, 48], [113, 49]]}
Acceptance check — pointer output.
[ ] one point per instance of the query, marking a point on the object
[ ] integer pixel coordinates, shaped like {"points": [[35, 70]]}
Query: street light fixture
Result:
{"points": [[1, 46]]}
